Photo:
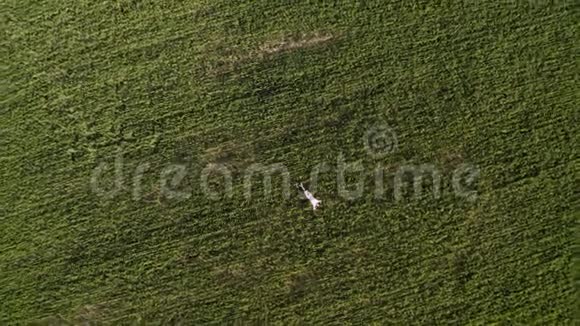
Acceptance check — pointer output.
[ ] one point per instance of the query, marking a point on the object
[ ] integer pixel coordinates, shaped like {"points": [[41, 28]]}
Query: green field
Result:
{"points": [[488, 84]]}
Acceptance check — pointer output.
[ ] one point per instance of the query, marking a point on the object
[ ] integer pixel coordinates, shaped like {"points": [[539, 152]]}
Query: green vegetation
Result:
{"points": [[198, 82]]}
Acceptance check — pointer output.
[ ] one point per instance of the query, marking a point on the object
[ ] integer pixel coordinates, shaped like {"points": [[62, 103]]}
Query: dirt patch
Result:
{"points": [[293, 43], [90, 314], [230, 58], [230, 273], [299, 283], [233, 155], [449, 159]]}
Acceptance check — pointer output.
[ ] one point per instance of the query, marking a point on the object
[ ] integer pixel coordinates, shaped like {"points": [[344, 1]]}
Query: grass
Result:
{"points": [[198, 82]]}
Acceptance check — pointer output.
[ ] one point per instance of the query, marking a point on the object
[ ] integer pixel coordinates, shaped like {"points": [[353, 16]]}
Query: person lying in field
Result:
{"points": [[315, 202]]}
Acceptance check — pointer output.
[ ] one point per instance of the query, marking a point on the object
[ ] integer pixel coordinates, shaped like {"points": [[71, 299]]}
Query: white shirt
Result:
{"points": [[315, 202]]}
